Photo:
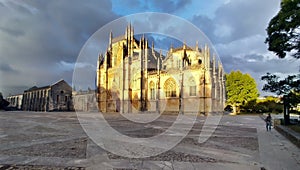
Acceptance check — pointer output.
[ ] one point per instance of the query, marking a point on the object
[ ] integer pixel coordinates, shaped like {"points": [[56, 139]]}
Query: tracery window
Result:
{"points": [[152, 90], [170, 87], [192, 90], [193, 87]]}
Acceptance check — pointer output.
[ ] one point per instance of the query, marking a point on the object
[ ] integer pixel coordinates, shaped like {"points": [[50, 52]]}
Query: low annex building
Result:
{"points": [[55, 97], [15, 101], [133, 77]]}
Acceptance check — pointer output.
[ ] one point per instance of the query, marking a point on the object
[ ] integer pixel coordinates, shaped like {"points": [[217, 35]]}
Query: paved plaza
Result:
{"points": [[56, 140]]}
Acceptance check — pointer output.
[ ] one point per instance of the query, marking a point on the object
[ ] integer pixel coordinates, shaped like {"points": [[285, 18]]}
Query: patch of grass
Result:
{"points": [[295, 128]]}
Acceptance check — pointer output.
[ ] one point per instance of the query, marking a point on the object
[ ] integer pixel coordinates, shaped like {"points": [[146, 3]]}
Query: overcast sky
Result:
{"points": [[40, 40]]}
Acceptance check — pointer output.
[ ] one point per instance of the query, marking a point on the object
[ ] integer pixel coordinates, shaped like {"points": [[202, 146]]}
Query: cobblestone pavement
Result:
{"points": [[56, 140]]}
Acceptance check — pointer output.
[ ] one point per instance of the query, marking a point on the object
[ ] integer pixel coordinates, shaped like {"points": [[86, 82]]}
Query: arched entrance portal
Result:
{"points": [[171, 96]]}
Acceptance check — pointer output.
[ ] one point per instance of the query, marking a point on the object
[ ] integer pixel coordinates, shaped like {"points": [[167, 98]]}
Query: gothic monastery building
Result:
{"points": [[55, 97], [133, 77]]}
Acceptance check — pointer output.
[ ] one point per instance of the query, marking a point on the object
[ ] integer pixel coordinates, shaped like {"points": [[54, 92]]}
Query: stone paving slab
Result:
{"points": [[64, 149], [290, 134], [55, 140]]}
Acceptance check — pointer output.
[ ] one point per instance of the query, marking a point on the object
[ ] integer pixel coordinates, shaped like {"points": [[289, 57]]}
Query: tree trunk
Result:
{"points": [[234, 109]]}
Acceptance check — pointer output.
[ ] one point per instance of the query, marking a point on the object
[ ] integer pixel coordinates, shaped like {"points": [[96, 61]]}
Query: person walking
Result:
{"points": [[268, 122]]}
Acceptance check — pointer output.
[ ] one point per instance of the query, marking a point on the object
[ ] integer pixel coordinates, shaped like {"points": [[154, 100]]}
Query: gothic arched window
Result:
{"points": [[193, 87], [170, 88], [152, 90]]}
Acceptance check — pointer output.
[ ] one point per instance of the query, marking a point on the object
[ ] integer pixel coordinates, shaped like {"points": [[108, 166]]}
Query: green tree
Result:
{"points": [[294, 98], [3, 102], [288, 87], [240, 88], [284, 30], [272, 104], [269, 104]]}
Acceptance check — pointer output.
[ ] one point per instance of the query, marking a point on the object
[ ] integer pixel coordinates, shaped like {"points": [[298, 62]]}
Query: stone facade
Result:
{"points": [[85, 100], [133, 77], [55, 97], [15, 101]]}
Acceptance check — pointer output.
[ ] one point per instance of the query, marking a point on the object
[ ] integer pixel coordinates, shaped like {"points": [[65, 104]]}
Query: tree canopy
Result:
{"points": [[284, 30], [264, 105], [288, 87], [281, 87], [241, 88]]}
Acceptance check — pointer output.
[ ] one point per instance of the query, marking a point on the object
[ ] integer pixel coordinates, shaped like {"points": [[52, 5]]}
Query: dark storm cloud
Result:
{"points": [[43, 38], [258, 64], [244, 18], [206, 25], [37, 35], [237, 19], [6, 68], [168, 6], [161, 42], [15, 5], [12, 32], [58, 29], [254, 57], [238, 32]]}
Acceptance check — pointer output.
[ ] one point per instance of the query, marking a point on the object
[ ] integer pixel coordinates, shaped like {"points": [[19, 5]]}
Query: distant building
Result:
{"points": [[85, 100], [132, 76], [55, 97], [15, 101]]}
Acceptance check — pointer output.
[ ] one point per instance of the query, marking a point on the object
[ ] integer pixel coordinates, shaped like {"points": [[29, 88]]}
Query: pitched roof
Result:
{"points": [[34, 88]]}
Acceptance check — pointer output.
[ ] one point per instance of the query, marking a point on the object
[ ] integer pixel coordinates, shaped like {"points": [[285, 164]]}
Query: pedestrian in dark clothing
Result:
{"points": [[268, 122]]}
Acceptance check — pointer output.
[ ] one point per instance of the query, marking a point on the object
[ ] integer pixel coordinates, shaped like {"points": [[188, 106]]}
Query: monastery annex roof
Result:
{"points": [[34, 88]]}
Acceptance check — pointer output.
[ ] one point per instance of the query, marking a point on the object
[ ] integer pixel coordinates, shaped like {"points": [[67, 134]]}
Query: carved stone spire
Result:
{"points": [[131, 40], [171, 48], [146, 43], [214, 64], [141, 42], [110, 39], [160, 53], [158, 61], [126, 32], [152, 47]]}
